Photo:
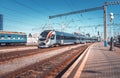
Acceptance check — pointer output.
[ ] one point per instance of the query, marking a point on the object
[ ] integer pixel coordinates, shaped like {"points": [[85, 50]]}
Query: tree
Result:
{"points": [[30, 35], [88, 34]]}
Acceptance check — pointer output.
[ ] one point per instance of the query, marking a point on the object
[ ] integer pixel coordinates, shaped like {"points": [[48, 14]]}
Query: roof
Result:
{"points": [[9, 32], [60, 33]]}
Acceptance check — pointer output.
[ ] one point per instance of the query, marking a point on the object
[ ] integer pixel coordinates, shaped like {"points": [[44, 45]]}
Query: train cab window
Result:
{"points": [[53, 37], [45, 33]]}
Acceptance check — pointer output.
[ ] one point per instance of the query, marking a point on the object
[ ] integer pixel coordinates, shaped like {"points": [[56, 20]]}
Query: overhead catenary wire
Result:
{"points": [[43, 7], [11, 19], [68, 5], [71, 8], [29, 7], [99, 25], [26, 6], [8, 18], [76, 12], [78, 16], [19, 22], [73, 20], [17, 12], [21, 13]]}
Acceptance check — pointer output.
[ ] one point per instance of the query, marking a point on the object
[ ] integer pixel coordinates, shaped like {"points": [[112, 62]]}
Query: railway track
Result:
{"points": [[51, 67], [17, 54], [117, 45], [13, 46]]}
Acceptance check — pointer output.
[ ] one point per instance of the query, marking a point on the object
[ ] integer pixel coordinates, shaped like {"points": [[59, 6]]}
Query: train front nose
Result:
{"points": [[42, 43]]}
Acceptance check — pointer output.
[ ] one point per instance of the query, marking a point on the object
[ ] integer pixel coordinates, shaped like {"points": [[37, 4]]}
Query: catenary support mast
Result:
{"points": [[104, 8]]}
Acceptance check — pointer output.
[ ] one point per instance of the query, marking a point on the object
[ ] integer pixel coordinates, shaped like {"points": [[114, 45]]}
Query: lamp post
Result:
{"points": [[105, 25], [111, 33]]}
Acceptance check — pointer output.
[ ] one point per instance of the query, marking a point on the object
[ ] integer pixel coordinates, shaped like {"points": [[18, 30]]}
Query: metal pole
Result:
{"points": [[49, 27], [105, 26], [111, 32]]}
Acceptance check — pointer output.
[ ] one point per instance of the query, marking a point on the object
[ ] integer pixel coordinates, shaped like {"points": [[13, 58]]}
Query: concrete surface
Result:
{"points": [[102, 63]]}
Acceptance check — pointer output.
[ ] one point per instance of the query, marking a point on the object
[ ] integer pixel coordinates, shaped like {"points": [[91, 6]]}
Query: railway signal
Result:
{"points": [[111, 39], [111, 17]]}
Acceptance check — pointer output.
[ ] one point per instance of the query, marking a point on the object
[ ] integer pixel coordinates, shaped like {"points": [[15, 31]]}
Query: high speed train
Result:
{"points": [[50, 38]]}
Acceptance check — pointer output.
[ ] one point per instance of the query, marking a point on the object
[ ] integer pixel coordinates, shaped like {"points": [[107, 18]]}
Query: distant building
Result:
{"points": [[1, 22], [32, 39]]}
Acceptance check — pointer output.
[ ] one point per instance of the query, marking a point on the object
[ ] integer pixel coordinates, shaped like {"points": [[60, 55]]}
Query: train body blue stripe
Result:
{"points": [[13, 38], [12, 41]]}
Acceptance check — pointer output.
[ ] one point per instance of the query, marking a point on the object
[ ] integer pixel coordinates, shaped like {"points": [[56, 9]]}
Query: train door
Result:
{"points": [[61, 39], [53, 39]]}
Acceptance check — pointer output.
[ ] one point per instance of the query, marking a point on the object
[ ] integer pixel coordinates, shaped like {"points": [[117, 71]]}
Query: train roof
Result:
{"points": [[64, 33], [9, 32], [60, 33]]}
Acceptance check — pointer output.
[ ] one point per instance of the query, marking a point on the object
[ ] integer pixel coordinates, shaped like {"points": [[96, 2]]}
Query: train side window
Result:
{"points": [[24, 37], [57, 36], [2, 37], [13, 37], [21, 37], [66, 37], [18, 38], [9, 37], [62, 37]]}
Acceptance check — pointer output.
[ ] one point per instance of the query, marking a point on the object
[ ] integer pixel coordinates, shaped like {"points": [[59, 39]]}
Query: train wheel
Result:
{"points": [[53, 45], [57, 45], [8, 44], [75, 43]]}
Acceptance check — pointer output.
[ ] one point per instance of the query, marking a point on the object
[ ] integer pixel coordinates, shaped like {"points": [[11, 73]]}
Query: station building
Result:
{"points": [[1, 22]]}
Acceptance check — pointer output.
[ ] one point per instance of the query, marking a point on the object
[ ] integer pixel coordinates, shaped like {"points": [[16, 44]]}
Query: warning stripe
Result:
{"points": [[49, 35]]}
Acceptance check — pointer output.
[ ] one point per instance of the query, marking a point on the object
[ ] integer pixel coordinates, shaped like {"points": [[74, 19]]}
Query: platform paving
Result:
{"points": [[102, 63]]}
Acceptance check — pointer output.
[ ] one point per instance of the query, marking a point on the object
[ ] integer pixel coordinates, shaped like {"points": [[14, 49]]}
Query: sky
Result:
{"points": [[32, 16]]}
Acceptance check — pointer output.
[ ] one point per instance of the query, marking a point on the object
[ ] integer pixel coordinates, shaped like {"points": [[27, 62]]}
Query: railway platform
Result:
{"points": [[101, 63]]}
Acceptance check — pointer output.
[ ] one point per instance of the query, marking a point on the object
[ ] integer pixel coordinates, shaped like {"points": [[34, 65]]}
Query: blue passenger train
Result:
{"points": [[12, 38]]}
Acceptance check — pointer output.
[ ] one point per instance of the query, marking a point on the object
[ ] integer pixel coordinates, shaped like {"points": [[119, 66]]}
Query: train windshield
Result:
{"points": [[45, 33], [42, 39]]}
